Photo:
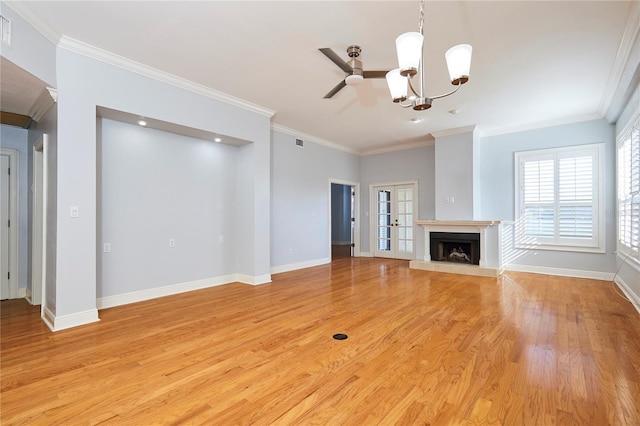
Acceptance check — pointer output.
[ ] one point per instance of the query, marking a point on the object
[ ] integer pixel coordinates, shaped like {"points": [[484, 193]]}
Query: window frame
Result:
{"points": [[597, 244], [624, 252]]}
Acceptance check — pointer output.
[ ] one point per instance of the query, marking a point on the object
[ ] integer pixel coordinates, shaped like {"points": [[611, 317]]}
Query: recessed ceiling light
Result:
{"points": [[454, 111], [217, 140], [416, 119], [142, 123]]}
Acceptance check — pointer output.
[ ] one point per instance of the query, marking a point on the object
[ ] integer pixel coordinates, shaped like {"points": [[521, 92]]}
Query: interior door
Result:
{"points": [[393, 221], [4, 227]]}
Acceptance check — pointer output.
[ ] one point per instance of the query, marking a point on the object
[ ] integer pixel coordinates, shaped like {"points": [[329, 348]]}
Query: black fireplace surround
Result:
{"points": [[456, 247]]}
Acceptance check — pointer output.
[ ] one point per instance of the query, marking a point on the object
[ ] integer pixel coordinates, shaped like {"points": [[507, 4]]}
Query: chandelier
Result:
{"points": [[410, 61]]}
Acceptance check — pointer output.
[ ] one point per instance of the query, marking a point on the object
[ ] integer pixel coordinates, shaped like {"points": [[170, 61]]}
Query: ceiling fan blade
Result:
{"points": [[336, 59], [374, 74], [335, 90]]}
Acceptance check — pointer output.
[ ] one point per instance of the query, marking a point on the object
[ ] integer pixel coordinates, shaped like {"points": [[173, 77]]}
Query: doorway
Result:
{"points": [[39, 222], [394, 210], [8, 224], [343, 219]]}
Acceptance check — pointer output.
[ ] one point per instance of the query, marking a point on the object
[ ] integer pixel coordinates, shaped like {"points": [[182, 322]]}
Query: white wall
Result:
{"points": [[497, 188], [416, 164], [158, 186], [300, 199], [16, 138]]}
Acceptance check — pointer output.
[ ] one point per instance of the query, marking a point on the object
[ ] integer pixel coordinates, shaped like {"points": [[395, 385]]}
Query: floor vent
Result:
{"points": [[300, 143], [5, 28]]}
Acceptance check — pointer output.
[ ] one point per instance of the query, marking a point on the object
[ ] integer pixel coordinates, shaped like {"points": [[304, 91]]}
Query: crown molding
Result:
{"points": [[457, 130], [631, 30], [45, 100], [539, 125], [85, 49], [394, 148], [305, 136], [26, 13]]}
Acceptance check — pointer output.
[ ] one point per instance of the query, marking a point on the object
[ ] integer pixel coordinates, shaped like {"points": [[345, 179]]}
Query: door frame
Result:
{"points": [[39, 239], [356, 209], [14, 244], [372, 212]]}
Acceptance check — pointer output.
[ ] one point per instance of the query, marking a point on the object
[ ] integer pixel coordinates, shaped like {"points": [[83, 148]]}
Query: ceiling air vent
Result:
{"points": [[5, 28], [300, 143]]}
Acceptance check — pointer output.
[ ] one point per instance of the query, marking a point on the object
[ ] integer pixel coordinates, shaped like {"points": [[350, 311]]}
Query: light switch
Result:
{"points": [[107, 248], [74, 211], [172, 242]]}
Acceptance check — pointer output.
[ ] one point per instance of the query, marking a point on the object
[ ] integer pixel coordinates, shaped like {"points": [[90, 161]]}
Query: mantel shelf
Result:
{"points": [[436, 222]]}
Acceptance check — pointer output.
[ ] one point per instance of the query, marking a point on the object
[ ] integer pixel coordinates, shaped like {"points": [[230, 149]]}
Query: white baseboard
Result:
{"points": [[62, 322], [153, 293], [633, 298], [251, 280], [299, 265], [48, 317], [366, 254], [562, 272]]}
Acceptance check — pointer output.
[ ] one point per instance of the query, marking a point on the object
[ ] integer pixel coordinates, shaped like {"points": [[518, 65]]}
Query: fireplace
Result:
{"points": [[455, 247]]}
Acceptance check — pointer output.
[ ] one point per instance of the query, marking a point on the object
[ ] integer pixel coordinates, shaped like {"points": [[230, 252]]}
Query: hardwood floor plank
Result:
{"points": [[423, 348]]}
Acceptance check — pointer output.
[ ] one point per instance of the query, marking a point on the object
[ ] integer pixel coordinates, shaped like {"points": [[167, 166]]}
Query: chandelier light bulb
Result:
{"points": [[459, 63], [409, 49], [397, 85]]}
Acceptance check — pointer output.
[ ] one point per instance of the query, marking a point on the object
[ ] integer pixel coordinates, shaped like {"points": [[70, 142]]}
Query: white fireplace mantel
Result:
{"points": [[490, 247]]}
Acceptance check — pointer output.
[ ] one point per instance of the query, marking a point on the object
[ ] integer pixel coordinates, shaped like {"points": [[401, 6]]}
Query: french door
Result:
{"points": [[393, 218]]}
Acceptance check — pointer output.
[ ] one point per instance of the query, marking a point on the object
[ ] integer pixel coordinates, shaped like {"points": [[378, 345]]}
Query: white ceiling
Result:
{"points": [[534, 62]]}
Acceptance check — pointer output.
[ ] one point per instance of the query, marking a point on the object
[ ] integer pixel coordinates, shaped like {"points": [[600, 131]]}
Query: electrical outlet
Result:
{"points": [[106, 248], [74, 211], [172, 242], [221, 239]]}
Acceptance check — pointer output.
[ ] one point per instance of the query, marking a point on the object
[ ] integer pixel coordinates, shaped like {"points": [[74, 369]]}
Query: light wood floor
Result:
{"points": [[423, 348]]}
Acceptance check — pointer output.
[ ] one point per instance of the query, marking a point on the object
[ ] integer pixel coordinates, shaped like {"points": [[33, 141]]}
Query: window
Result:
{"points": [[628, 185], [559, 198]]}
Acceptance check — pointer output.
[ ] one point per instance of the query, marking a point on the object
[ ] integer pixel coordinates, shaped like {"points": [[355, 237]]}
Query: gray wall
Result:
{"points": [[454, 166], [84, 84], [30, 50], [301, 198], [16, 138], [158, 186], [416, 164], [498, 196]]}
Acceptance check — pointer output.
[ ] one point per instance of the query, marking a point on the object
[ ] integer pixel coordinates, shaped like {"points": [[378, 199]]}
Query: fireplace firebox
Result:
{"points": [[456, 247]]}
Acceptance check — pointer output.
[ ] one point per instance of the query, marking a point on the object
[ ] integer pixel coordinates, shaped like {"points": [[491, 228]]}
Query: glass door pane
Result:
{"points": [[383, 220]]}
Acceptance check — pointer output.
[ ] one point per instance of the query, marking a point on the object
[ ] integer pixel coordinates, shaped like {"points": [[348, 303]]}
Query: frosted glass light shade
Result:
{"points": [[409, 49], [397, 85], [459, 63]]}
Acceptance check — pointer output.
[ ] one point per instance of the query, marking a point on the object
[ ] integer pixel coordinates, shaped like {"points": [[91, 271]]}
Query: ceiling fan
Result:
{"points": [[353, 69]]}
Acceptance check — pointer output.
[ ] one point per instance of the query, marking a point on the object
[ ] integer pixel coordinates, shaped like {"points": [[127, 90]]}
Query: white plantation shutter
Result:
{"points": [[628, 186], [539, 198], [558, 198], [575, 196]]}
